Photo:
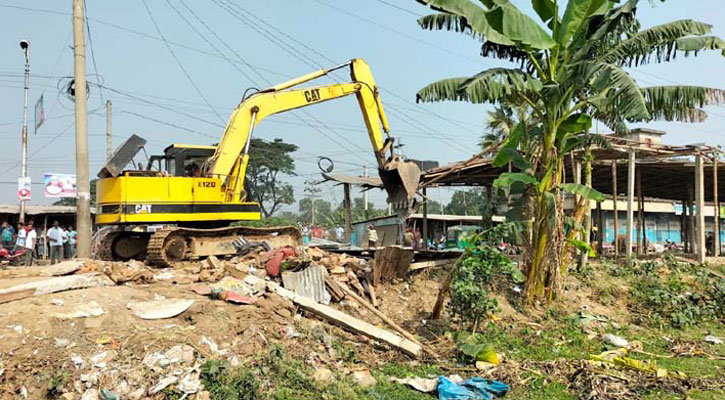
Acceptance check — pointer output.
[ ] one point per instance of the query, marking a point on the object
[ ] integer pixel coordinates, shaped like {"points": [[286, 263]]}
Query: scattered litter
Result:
{"points": [[424, 385], [474, 389], [309, 282], [61, 342], [77, 361], [164, 276], [615, 340], [189, 384], [24, 392], [159, 309], [90, 394], [101, 359], [90, 309], [18, 329], [713, 339], [363, 378], [109, 395], [213, 346], [290, 332], [163, 384], [56, 302]]}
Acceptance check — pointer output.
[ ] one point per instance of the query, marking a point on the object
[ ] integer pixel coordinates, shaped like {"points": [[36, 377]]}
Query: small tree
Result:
{"points": [[267, 160]]}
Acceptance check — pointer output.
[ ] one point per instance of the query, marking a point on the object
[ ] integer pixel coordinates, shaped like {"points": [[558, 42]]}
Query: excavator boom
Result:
{"points": [[230, 159]]}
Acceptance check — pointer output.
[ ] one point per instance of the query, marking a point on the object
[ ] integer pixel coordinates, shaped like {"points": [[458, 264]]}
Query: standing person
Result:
{"points": [[30, 238], [305, 234], [339, 232], [372, 237], [20, 240], [8, 234], [72, 240], [66, 243], [416, 239], [55, 240]]}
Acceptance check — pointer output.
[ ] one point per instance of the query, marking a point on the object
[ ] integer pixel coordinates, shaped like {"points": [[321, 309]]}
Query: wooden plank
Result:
{"points": [[371, 289], [391, 262], [334, 288], [348, 322], [16, 295], [430, 264]]}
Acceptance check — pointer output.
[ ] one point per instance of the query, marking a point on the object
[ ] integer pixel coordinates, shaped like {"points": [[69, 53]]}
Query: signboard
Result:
{"points": [[59, 185], [39, 113], [24, 188]]}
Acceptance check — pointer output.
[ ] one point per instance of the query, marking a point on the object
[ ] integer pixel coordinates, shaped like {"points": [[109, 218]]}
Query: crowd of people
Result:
{"points": [[61, 241]]}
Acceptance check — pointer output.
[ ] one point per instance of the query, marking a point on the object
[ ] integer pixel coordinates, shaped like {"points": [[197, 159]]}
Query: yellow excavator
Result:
{"points": [[183, 204]]}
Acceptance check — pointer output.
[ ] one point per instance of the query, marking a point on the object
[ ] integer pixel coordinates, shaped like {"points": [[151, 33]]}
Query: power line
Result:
{"points": [[400, 8], [178, 62], [167, 124], [93, 53]]}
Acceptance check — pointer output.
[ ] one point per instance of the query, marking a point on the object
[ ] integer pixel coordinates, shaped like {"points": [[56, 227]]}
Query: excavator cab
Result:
{"points": [[186, 159]]}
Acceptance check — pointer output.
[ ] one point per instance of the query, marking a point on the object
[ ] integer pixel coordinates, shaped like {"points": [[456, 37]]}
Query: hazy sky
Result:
{"points": [[262, 42]]}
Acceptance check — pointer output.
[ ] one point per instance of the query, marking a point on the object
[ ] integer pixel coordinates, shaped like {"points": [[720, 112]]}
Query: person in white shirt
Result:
{"points": [[55, 240], [20, 240], [30, 239], [339, 232]]}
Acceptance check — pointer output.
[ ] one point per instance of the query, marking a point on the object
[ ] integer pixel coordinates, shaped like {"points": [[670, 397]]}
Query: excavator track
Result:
{"points": [[170, 246]]}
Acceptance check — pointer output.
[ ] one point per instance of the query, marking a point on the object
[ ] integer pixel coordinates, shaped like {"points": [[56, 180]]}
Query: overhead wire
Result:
{"points": [[178, 61], [262, 77], [93, 53]]}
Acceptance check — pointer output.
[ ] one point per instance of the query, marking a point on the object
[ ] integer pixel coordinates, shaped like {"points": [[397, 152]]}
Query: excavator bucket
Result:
{"points": [[400, 179]]}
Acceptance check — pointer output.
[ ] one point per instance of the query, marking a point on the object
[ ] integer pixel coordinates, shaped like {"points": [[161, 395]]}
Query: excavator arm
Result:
{"points": [[230, 159]]}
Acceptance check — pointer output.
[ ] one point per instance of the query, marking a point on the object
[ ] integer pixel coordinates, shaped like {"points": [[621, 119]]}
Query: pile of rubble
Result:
{"points": [[270, 292]]}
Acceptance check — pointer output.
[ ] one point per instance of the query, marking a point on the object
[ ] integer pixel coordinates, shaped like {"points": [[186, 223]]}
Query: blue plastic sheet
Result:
{"points": [[470, 389]]}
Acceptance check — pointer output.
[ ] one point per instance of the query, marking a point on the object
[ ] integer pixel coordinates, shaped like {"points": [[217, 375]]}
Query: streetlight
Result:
{"points": [[25, 45]]}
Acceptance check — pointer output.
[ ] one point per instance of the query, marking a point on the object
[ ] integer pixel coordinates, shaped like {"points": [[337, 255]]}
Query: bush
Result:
{"points": [[474, 275], [225, 383]]}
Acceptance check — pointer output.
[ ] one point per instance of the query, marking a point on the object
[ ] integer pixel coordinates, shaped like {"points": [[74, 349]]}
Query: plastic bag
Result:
{"points": [[470, 389]]}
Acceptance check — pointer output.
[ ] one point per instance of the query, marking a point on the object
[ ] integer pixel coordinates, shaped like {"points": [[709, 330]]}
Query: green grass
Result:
{"points": [[539, 388]]}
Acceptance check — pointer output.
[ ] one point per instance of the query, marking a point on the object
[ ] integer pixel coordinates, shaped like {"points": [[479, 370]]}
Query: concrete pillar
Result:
{"points": [[616, 213], [716, 203], [348, 213], [700, 207], [425, 219], [691, 233], [601, 229], [630, 201], [640, 216]]}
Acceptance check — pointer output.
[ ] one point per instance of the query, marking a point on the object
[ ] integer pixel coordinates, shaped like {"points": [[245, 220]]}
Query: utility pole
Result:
{"points": [[109, 141], [83, 200], [24, 151], [365, 193]]}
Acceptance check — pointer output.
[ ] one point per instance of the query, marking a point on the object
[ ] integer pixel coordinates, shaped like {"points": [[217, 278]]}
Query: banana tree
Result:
{"points": [[568, 66]]}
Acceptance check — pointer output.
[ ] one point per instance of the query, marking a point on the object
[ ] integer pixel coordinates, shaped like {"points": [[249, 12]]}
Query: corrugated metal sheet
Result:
{"points": [[309, 282]]}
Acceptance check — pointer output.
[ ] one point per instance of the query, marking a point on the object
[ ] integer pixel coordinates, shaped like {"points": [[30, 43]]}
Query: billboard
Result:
{"points": [[59, 185], [24, 188]]}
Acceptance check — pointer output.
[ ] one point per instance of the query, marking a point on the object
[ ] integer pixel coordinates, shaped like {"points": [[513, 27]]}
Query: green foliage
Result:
{"points": [[474, 346], [226, 383], [321, 209], [467, 202], [267, 160], [676, 294], [56, 384], [475, 273], [568, 68]]}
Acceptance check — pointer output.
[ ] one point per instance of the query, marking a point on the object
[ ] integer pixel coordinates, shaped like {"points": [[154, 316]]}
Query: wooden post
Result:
{"points": [[614, 204], [630, 201], [716, 204], [691, 220], [425, 220], [46, 248], [640, 214], [348, 213], [587, 234], [601, 230], [700, 207], [683, 226]]}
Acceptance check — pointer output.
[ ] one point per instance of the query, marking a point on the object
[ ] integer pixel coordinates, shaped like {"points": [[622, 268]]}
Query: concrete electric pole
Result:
{"points": [[24, 151], [83, 200], [109, 141]]}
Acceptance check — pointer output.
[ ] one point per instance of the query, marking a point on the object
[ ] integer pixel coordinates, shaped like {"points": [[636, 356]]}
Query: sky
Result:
{"points": [[174, 73]]}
